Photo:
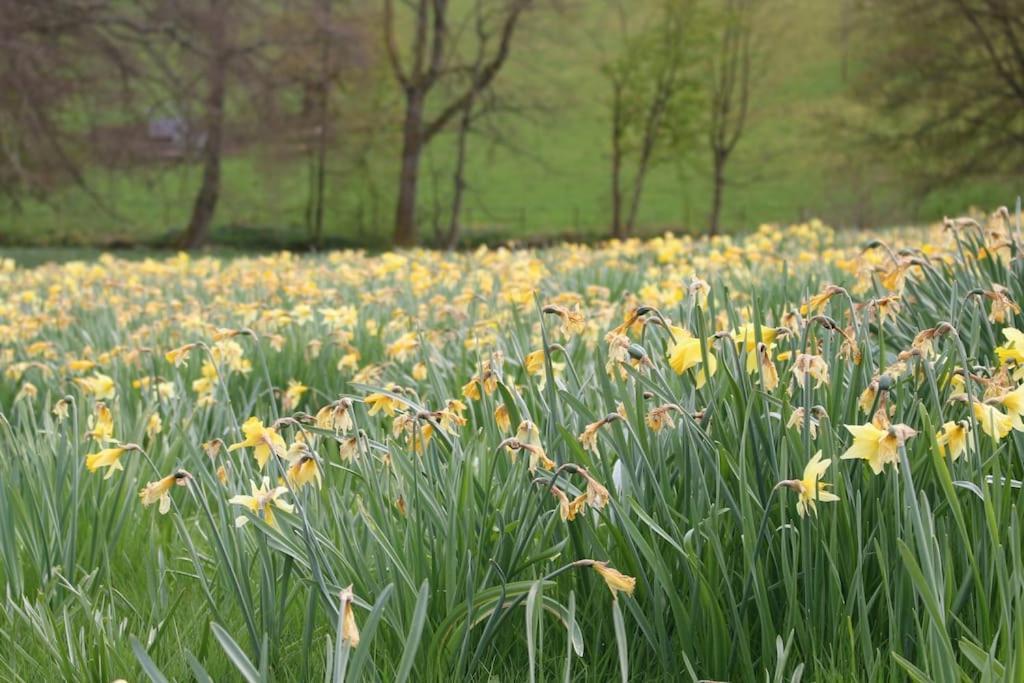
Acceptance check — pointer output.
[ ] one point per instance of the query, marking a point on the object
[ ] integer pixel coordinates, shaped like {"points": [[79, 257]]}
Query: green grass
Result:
{"points": [[474, 575], [552, 175]]}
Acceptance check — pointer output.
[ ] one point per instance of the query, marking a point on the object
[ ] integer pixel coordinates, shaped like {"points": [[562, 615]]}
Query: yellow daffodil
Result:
{"points": [[810, 488], [160, 490], [1013, 403], [99, 386], [993, 421], [878, 442], [261, 502], [292, 395], [954, 439], [534, 362], [109, 458], [304, 470], [685, 353], [263, 440]]}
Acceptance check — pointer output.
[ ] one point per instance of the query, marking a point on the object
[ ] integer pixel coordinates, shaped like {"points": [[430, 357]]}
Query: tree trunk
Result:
{"points": [[650, 137], [716, 199], [459, 180], [209, 190], [618, 231], [406, 229]]}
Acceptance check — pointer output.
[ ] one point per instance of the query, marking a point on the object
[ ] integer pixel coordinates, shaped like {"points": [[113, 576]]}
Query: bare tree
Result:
{"points": [[653, 101], [945, 82], [730, 93], [56, 61], [434, 58]]}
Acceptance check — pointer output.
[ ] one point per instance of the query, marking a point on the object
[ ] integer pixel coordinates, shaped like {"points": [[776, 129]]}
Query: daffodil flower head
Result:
{"points": [[263, 440]]}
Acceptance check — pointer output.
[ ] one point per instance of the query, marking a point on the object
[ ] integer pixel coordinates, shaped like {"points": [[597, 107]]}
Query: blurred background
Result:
{"points": [[379, 123]]}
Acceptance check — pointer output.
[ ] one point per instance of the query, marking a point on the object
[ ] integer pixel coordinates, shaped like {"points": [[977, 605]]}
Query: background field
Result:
{"points": [[550, 173]]}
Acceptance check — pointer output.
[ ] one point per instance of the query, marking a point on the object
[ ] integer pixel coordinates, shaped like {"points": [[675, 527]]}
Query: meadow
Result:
{"points": [[793, 455]]}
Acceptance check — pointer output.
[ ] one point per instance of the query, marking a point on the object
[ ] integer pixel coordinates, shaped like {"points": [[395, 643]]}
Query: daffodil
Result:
{"points": [[261, 502], [810, 365], [292, 395], [878, 442], [993, 421], [154, 425], [349, 630], [263, 440], [534, 362], [502, 418], [336, 417], [99, 386], [304, 470], [401, 348], [1013, 402], [954, 439], [101, 425], [109, 458], [382, 403], [528, 438], [810, 488], [617, 581], [160, 490], [685, 353]]}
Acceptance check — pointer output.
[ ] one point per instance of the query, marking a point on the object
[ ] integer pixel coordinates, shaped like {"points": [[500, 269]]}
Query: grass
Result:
{"points": [[551, 175], [470, 543]]}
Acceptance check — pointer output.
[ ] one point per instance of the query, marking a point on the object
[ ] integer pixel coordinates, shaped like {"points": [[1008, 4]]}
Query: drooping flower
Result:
{"points": [[160, 490], [954, 438], [810, 488], [261, 502], [349, 630], [810, 365], [878, 442], [304, 470], [109, 458], [685, 353], [528, 438], [336, 417], [263, 440], [292, 395], [617, 581], [99, 386], [101, 425], [993, 421], [1013, 402]]}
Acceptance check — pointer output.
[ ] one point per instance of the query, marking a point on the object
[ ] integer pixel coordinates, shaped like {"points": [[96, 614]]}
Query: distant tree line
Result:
{"points": [[943, 81]]}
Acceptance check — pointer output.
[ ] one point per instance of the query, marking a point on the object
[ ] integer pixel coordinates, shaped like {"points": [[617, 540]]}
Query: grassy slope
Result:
{"points": [[556, 177]]}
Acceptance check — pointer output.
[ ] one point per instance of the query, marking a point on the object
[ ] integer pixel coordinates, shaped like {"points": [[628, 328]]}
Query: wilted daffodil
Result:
{"points": [[261, 502], [160, 490], [349, 630], [617, 581], [263, 441]]}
